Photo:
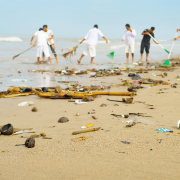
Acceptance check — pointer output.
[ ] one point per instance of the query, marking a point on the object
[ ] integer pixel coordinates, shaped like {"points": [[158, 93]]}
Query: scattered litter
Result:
{"points": [[12, 116], [87, 126], [79, 139], [5, 151], [132, 124], [103, 105], [24, 131], [178, 124], [85, 131], [22, 80], [26, 103], [164, 130], [125, 142], [94, 117], [159, 140], [77, 114], [80, 102]]}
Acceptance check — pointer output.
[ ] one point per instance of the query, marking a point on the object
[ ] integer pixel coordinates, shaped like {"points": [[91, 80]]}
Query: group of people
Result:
{"points": [[45, 38]]}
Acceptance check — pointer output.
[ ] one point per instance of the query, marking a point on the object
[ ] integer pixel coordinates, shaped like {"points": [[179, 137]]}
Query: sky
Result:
{"points": [[73, 18]]}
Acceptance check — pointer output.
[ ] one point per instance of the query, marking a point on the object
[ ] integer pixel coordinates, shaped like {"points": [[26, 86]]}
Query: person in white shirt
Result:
{"points": [[129, 38], [92, 39], [42, 46], [51, 36]]}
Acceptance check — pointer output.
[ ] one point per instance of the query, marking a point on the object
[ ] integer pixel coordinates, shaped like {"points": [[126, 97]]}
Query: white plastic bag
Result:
{"points": [[26, 103]]}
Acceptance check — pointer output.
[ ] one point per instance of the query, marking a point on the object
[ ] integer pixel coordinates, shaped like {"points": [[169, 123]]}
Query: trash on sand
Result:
{"points": [[127, 100], [159, 140], [85, 131], [7, 129], [5, 151], [46, 138], [30, 142], [80, 102], [132, 124], [178, 124], [164, 130], [77, 114], [79, 139], [86, 126], [34, 109], [88, 98], [63, 120], [125, 142], [103, 105], [94, 117], [26, 103], [24, 131], [23, 80]]}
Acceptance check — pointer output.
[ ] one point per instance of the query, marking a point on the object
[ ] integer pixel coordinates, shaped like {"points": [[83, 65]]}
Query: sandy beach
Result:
{"points": [[150, 155]]}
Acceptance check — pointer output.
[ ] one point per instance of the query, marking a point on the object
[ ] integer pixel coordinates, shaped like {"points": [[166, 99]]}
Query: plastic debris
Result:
{"points": [[24, 131], [80, 102], [26, 103], [164, 130], [87, 126]]}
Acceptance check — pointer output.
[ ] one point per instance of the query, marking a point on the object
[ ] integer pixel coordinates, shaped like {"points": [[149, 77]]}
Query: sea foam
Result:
{"points": [[10, 39]]}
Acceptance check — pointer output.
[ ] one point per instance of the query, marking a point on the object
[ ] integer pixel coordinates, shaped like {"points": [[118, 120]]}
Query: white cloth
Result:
{"points": [[41, 49], [129, 37], [129, 47], [50, 34], [92, 36], [90, 50], [42, 38]]}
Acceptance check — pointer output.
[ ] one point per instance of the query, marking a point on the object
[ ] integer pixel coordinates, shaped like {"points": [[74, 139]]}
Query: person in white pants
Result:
{"points": [[92, 38], [129, 38], [42, 46]]}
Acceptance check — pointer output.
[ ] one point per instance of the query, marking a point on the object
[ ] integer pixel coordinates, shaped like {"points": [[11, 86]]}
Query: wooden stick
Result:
{"points": [[85, 131]]}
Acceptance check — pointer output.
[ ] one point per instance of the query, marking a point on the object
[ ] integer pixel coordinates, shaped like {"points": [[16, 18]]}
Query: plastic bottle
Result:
{"points": [[178, 124]]}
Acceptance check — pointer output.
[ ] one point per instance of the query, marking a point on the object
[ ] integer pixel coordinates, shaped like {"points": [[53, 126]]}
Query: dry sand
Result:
{"points": [[102, 155]]}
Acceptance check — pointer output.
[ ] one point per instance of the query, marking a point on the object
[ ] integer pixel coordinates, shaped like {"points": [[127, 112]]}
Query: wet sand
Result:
{"points": [[102, 155]]}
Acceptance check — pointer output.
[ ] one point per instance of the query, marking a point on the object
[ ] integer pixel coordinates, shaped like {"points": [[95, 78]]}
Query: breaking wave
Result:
{"points": [[10, 39]]}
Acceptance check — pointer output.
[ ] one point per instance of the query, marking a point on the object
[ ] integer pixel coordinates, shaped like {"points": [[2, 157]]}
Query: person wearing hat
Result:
{"points": [[145, 43], [92, 39], [129, 38]]}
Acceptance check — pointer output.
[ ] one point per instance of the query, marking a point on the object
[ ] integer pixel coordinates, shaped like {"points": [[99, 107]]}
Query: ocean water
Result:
{"points": [[13, 45]]}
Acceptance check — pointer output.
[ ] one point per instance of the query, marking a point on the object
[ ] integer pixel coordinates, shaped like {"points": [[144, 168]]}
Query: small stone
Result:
{"points": [[43, 134], [63, 120], [30, 142], [34, 109]]}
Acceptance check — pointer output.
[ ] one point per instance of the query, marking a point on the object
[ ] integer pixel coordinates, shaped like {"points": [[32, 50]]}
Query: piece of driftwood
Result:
{"points": [[85, 131]]}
